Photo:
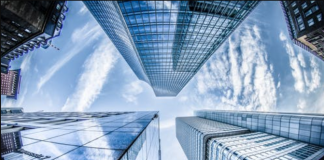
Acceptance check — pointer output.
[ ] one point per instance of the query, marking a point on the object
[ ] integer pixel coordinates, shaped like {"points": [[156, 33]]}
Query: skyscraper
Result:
{"points": [[306, 25], [215, 135], [93, 135], [166, 42], [26, 25], [10, 83]]}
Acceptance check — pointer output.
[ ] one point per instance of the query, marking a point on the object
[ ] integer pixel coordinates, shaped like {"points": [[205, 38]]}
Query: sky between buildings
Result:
{"points": [[257, 68]]}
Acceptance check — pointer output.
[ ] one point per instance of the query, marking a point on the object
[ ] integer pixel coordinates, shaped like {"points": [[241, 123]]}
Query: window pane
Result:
{"points": [[304, 5], [310, 22], [319, 17]]}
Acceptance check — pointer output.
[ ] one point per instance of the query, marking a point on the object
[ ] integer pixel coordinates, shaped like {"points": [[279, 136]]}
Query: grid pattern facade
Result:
{"points": [[193, 133], [172, 39], [305, 24], [10, 83], [111, 21], [10, 142], [307, 128], [257, 145], [100, 135]]}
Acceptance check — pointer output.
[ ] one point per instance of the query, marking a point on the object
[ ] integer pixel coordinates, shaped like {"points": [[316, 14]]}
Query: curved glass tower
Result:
{"points": [[166, 43]]}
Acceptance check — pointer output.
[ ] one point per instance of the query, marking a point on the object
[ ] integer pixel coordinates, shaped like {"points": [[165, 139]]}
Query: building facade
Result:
{"points": [[11, 110], [166, 42], [231, 135], [10, 83], [26, 25], [93, 135], [306, 25]]}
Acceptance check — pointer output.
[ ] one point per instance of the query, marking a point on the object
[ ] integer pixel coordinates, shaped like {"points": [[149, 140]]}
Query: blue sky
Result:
{"points": [[257, 68]]}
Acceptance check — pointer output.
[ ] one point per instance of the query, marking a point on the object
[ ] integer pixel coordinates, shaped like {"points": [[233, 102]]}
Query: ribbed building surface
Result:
{"points": [[239, 135], [193, 133], [257, 145]]}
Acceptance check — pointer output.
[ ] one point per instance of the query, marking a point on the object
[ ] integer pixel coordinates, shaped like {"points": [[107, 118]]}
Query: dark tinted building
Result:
{"points": [[306, 25], [26, 25], [10, 83]]}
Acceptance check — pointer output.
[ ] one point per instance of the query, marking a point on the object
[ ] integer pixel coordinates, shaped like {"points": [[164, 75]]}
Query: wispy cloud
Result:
{"points": [[131, 91], [306, 80], [238, 75], [81, 37], [96, 70], [83, 10]]}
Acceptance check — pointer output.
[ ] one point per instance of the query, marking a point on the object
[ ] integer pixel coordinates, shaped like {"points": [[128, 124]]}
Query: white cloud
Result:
{"points": [[238, 75], [96, 70], [305, 81], [83, 10], [131, 91], [183, 98], [81, 37]]}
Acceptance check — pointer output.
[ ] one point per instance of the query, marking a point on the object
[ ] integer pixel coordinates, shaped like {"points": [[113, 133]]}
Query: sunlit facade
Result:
{"points": [[213, 135], [167, 42], [93, 135], [257, 145]]}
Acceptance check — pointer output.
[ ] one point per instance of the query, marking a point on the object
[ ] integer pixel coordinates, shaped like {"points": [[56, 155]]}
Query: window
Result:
{"points": [[309, 12], [315, 8], [293, 4], [304, 5], [312, 1], [301, 27], [296, 11], [319, 17], [58, 7], [310, 22], [299, 20]]}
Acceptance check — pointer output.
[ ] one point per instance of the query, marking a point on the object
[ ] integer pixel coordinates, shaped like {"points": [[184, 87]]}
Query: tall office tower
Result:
{"points": [[92, 135], [305, 24], [167, 42], [10, 83], [26, 25], [213, 135]]}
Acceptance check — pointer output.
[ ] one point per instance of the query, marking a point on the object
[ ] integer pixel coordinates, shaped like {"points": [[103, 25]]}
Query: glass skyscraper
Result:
{"points": [[166, 42], [213, 135], [82, 136]]}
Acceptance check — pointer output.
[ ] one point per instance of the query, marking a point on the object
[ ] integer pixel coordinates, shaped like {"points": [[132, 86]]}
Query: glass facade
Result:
{"points": [[237, 135], [85, 136], [257, 145], [193, 133], [172, 39], [307, 128]]}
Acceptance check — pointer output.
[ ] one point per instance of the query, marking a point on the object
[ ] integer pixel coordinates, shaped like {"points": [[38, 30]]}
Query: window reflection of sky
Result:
{"points": [[100, 138]]}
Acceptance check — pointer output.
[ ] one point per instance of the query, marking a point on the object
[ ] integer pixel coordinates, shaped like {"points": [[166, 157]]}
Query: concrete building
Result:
{"points": [[88, 135], [26, 25], [306, 25], [213, 135], [10, 83], [167, 42]]}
